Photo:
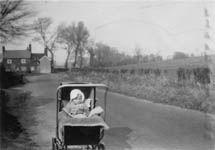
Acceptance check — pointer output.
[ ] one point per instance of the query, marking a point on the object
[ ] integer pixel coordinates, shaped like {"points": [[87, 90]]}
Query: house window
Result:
{"points": [[7, 70], [32, 68], [17, 68], [9, 61], [23, 61], [23, 68]]}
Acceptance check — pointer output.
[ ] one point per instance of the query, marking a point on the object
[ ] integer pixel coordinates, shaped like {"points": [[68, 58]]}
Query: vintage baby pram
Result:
{"points": [[86, 132]]}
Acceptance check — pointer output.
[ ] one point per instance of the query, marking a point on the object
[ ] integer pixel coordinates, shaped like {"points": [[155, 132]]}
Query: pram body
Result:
{"points": [[85, 132]]}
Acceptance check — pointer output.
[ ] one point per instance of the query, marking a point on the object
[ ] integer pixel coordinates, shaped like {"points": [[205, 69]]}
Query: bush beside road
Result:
{"points": [[12, 103]]}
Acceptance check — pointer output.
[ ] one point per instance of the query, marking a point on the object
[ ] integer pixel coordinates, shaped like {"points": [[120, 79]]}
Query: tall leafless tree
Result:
{"points": [[138, 54], [66, 37], [42, 26], [91, 49], [14, 23], [75, 37], [81, 37]]}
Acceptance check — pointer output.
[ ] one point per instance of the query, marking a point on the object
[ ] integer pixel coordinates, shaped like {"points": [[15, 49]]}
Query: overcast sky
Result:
{"points": [[155, 26]]}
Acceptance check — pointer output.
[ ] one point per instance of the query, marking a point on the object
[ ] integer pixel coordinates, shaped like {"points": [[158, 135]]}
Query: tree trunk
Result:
{"points": [[76, 54], [91, 59], [81, 61], [90, 51], [52, 60], [67, 59]]}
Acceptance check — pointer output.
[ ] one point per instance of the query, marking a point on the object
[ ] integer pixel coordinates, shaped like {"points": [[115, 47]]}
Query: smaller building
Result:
{"points": [[25, 61], [45, 65]]}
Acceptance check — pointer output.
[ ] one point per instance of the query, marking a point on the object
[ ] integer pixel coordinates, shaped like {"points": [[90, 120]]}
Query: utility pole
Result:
{"points": [[209, 48], [206, 34]]}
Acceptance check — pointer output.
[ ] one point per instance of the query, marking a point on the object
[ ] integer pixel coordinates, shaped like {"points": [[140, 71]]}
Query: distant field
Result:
{"points": [[168, 67], [168, 64]]}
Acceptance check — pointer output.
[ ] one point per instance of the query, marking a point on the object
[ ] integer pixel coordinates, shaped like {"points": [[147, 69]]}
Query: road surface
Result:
{"points": [[135, 124]]}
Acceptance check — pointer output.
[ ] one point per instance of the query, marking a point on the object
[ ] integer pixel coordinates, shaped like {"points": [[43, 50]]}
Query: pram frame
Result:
{"points": [[57, 143]]}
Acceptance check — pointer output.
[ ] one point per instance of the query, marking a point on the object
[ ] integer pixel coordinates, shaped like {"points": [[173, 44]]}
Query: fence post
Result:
{"points": [[211, 66], [119, 79], [212, 70]]}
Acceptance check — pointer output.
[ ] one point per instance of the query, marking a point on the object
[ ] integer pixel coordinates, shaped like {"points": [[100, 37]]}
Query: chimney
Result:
{"points": [[29, 47], [3, 49], [46, 51]]}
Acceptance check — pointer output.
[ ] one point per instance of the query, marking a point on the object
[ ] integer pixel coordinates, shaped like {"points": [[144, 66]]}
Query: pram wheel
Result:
{"points": [[101, 146], [54, 144]]}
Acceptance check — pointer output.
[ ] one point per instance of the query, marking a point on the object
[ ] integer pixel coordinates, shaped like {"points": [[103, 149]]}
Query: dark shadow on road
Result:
{"points": [[118, 137], [13, 107]]}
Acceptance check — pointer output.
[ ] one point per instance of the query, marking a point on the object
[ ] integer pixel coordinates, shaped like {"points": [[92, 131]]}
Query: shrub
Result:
{"points": [[157, 72], [124, 71], [9, 79], [201, 75], [56, 70], [132, 71]]}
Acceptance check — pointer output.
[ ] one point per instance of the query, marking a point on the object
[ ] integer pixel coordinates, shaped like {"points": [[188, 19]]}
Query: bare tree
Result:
{"points": [[75, 37], [105, 55], [66, 36], [138, 54], [91, 47], [14, 15], [42, 26], [81, 37]]}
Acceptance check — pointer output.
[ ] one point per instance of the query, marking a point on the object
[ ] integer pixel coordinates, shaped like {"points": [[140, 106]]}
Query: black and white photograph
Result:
{"points": [[107, 74]]}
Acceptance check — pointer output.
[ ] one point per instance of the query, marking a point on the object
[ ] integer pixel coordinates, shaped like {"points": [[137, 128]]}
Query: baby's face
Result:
{"points": [[78, 99]]}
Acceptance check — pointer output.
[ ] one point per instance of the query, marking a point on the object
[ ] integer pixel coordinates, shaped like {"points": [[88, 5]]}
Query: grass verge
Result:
{"points": [[156, 89]]}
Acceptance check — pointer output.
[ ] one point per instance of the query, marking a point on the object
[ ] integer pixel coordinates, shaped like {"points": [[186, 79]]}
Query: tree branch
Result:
{"points": [[13, 19]]}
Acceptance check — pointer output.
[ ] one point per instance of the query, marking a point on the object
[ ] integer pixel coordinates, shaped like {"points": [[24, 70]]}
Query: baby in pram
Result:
{"points": [[78, 107], [76, 110]]}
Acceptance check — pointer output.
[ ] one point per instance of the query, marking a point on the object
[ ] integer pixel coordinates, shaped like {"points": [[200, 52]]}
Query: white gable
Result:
{"points": [[45, 65], [44, 57]]}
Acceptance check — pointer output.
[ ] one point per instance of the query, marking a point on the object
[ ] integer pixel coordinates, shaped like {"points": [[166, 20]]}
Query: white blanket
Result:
{"points": [[95, 120]]}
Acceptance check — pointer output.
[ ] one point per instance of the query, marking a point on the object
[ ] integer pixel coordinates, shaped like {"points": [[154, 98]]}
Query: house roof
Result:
{"points": [[17, 54], [45, 57], [37, 56]]}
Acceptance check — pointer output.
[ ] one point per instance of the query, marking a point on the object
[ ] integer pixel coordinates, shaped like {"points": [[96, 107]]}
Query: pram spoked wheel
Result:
{"points": [[54, 144], [100, 146]]}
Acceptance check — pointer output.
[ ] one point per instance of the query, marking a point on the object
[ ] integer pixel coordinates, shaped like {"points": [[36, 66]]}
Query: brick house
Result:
{"points": [[22, 60]]}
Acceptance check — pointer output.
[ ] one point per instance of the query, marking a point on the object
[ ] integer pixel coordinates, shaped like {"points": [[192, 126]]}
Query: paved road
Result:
{"points": [[140, 125], [135, 124]]}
